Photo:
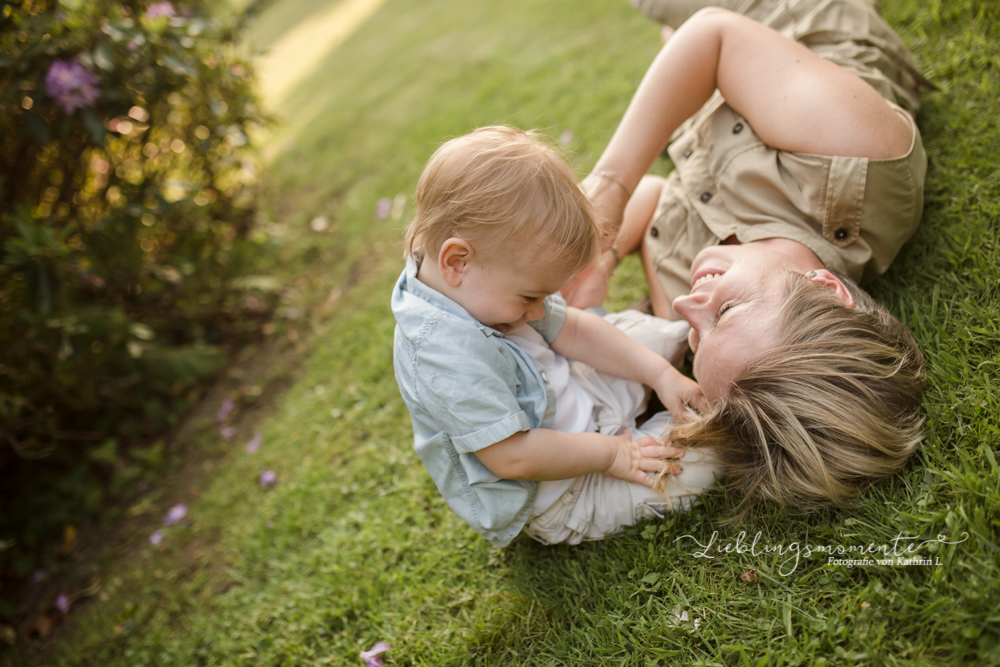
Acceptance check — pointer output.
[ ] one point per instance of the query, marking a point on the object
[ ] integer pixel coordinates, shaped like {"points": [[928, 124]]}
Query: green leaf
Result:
{"points": [[38, 128], [94, 126], [177, 66], [104, 57]]}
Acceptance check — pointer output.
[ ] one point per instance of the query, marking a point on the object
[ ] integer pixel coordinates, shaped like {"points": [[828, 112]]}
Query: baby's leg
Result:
{"points": [[597, 506]]}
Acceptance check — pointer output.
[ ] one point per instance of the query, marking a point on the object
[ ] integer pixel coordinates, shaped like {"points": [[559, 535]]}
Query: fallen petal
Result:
{"points": [[383, 208], [224, 410], [749, 576], [268, 477], [176, 513], [255, 443], [156, 538], [62, 603], [371, 656], [566, 138], [227, 432]]}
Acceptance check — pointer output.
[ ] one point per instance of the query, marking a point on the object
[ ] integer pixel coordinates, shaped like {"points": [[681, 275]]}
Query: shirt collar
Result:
{"points": [[418, 289]]}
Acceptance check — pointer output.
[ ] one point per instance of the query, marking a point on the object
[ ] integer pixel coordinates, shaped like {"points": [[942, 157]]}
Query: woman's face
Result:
{"points": [[736, 296]]}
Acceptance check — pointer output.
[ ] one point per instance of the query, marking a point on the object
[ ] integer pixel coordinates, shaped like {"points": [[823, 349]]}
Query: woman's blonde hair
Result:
{"points": [[834, 406], [496, 188]]}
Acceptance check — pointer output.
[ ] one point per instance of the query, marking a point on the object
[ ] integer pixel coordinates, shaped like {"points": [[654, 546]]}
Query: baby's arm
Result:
{"points": [[544, 454], [598, 343]]}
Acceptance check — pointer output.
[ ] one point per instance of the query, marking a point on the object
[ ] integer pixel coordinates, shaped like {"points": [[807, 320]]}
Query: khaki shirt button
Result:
{"points": [[737, 128], [705, 196], [654, 232], [840, 234], [688, 152]]}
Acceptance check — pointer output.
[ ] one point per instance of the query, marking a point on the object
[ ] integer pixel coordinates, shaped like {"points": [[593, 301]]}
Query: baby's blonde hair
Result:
{"points": [[834, 406], [496, 188]]}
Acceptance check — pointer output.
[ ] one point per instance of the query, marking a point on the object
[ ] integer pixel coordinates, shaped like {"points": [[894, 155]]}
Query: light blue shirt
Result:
{"points": [[467, 387]]}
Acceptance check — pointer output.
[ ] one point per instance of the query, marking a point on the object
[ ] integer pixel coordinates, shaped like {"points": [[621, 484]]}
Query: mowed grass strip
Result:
{"points": [[353, 545]]}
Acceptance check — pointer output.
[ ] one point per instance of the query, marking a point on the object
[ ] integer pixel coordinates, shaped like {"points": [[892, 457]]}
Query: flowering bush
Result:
{"points": [[126, 202]]}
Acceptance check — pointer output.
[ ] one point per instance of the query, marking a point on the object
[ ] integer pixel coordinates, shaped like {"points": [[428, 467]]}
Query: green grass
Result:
{"points": [[354, 545]]}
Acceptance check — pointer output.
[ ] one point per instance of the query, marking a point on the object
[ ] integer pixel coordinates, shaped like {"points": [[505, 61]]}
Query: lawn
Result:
{"points": [[353, 544]]}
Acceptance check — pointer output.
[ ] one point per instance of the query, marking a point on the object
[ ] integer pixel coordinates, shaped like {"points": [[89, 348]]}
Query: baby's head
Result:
{"points": [[502, 219], [509, 195]]}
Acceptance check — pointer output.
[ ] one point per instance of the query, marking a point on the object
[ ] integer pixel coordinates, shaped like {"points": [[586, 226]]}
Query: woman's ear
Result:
{"points": [[454, 259], [824, 277]]}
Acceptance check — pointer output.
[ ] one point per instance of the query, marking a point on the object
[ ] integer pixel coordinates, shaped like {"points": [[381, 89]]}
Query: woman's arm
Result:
{"points": [[793, 99]]}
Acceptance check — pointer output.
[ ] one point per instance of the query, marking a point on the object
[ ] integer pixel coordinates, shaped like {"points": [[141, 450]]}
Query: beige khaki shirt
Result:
{"points": [[853, 213]]}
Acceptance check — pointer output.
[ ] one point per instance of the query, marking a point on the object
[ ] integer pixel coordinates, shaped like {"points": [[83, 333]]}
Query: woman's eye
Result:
{"points": [[532, 299], [724, 308]]}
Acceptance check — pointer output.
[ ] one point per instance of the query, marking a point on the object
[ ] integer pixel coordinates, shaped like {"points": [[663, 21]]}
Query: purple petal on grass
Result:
{"points": [[383, 208], [158, 9], [254, 444], [227, 432], [62, 603], [72, 85], [566, 138], [371, 656], [156, 538], [224, 410], [268, 477], [176, 513]]}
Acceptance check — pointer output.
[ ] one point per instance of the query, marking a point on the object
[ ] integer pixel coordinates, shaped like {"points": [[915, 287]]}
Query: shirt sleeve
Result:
{"points": [[468, 387], [552, 322]]}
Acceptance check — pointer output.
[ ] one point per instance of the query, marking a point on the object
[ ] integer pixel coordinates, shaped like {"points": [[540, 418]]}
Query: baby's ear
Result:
{"points": [[454, 259], [824, 277]]}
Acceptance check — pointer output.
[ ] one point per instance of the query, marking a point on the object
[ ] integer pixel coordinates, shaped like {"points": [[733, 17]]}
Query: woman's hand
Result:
{"points": [[590, 286], [677, 391], [633, 459]]}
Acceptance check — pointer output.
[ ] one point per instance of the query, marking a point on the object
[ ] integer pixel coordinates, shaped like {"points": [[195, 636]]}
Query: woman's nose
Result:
{"points": [[693, 308]]}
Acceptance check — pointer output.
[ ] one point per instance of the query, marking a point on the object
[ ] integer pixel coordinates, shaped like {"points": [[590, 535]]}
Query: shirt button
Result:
{"points": [[737, 128], [840, 234], [688, 152], [705, 196], [654, 232]]}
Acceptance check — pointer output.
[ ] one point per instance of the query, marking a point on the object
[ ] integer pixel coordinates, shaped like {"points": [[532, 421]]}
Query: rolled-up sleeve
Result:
{"points": [[555, 317], [470, 395]]}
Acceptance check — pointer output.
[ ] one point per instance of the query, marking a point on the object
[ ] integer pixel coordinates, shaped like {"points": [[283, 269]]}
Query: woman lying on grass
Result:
{"points": [[799, 170]]}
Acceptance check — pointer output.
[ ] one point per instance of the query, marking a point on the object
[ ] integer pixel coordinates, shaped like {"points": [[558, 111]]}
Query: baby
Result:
{"points": [[514, 435]]}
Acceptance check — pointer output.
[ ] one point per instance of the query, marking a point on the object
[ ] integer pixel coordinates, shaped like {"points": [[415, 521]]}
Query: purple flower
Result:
{"points": [[158, 9], [224, 410], [176, 513], [227, 432], [72, 85], [62, 603], [254, 444], [268, 477], [156, 538], [371, 657], [383, 208]]}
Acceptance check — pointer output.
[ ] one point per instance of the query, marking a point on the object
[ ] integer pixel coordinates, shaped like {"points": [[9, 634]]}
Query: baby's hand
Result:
{"points": [[677, 391], [634, 458]]}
